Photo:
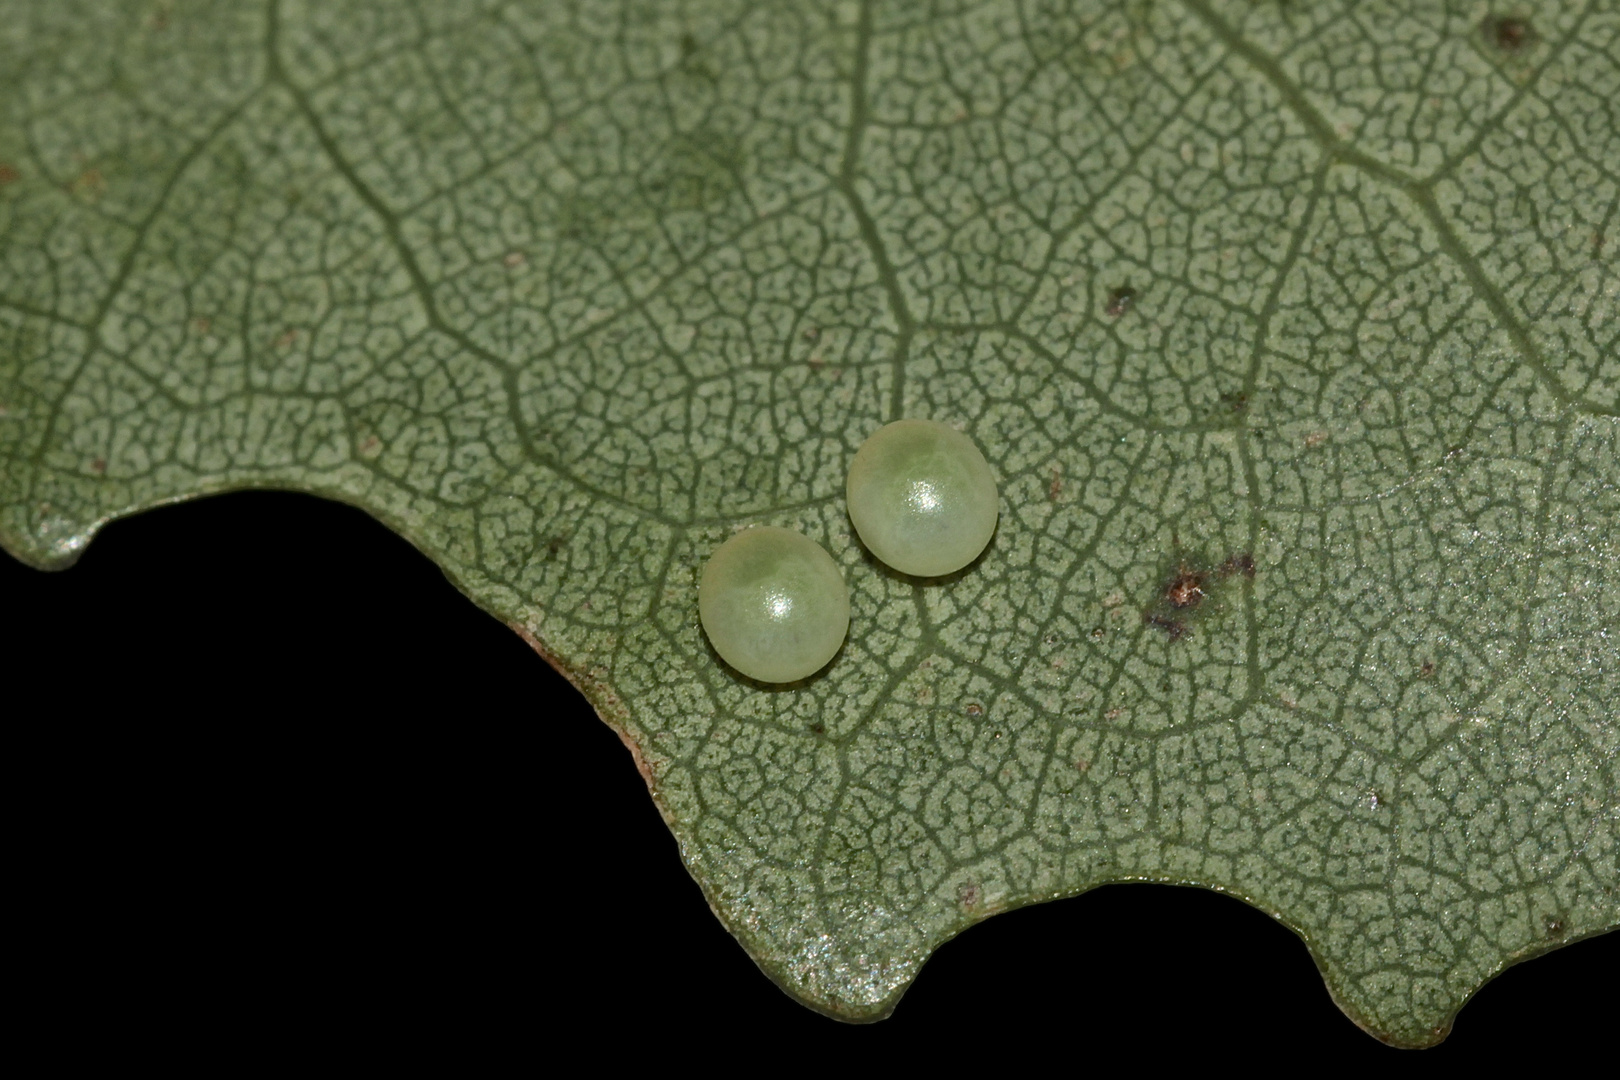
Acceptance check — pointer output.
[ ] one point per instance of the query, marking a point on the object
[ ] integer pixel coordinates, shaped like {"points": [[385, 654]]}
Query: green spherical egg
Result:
{"points": [[922, 497], [774, 604]]}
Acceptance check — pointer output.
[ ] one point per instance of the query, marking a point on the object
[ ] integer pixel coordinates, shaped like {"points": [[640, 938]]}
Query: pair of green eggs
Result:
{"points": [[773, 602]]}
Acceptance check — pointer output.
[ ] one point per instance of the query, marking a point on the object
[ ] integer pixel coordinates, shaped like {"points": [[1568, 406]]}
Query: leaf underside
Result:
{"points": [[1290, 330]]}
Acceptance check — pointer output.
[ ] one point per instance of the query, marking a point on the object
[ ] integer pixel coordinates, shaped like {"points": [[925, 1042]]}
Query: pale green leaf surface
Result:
{"points": [[566, 293]]}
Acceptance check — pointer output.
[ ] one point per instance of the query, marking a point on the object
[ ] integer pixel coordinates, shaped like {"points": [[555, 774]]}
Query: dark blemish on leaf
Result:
{"points": [[975, 709], [1426, 670], [8, 175], [1241, 563], [369, 444], [1055, 488], [554, 546], [818, 728], [1120, 301], [1082, 765], [1236, 402], [811, 333], [1597, 240], [689, 46], [202, 324], [1175, 628], [99, 466], [968, 895], [1508, 34], [1098, 632], [1186, 589], [1555, 927]]}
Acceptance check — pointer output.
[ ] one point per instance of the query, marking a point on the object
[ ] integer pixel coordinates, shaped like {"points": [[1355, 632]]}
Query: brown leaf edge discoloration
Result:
{"points": [[605, 703]]}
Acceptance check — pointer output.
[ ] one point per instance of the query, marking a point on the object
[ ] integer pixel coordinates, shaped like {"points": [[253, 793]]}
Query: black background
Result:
{"points": [[281, 783]]}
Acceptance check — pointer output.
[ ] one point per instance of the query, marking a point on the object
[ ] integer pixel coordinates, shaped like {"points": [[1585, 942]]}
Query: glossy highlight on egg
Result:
{"points": [[773, 604], [922, 497]]}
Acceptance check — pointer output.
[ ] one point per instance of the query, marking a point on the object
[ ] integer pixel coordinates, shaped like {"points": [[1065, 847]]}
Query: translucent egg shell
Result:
{"points": [[922, 497], [774, 604]]}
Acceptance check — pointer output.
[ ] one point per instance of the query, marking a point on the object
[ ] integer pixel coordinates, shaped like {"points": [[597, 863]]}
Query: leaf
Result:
{"points": [[1302, 314]]}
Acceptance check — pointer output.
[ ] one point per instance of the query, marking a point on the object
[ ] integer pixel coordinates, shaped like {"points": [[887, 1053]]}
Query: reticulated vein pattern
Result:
{"points": [[1290, 331]]}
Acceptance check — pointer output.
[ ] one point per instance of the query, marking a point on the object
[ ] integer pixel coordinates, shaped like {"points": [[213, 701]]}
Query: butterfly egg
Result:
{"points": [[922, 497], [774, 604]]}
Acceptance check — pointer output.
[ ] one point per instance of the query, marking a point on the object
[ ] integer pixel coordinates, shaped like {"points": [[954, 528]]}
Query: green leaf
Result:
{"points": [[1304, 314]]}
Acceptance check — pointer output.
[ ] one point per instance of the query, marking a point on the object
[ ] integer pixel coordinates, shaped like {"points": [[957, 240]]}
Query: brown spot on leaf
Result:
{"points": [[1241, 563], [1185, 589], [1120, 301], [975, 709], [968, 895], [1315, 439], [369, 444], [8, 175], [1082, 765], [513, 260], [818, 728], [1508, 33], [202, 324], [1055, 488], [1555, 927], [1427, 669], [99, 466]]}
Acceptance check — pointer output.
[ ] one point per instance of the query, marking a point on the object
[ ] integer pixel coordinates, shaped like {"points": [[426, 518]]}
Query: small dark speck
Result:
{"points": [[1120, 301], [7, 175], [811, 333], [99, 466], [1427, 669], [1509, 34], [975, 709], [1241, 563], [1555, 927], [818, 728]]}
